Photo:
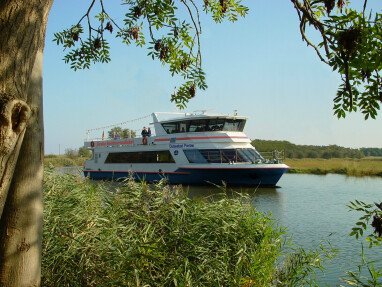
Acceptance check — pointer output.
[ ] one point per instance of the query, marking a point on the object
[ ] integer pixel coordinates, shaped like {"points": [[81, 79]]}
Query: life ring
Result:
{"points": [[92, 143]]}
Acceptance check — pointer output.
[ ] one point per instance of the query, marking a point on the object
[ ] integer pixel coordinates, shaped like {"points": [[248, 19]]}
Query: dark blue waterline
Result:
{"points": [[199, 176]]}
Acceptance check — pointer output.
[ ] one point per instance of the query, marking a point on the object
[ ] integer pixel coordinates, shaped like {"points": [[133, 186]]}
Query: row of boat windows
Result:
{"points": [[204, 125], [193, 156], [222, 155], [163, 156]]}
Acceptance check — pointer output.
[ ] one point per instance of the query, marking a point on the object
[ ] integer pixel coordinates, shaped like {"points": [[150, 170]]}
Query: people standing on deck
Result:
{"points": [[148, 132], [144, 134]]}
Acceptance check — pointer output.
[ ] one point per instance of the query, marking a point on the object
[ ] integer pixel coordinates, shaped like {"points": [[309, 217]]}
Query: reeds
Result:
{"points": [[141, 235]]}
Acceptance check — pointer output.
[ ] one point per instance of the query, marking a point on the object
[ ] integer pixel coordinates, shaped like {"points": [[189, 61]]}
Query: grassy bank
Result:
{"points": [[353, 167]]}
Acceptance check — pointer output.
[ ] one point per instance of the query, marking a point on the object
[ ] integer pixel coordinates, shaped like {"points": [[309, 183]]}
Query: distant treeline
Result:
{"points": [[310, 151]]}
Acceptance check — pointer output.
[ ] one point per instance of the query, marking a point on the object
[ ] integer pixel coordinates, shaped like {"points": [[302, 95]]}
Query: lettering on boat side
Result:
{"points": [[111, 143], [181, 145]]}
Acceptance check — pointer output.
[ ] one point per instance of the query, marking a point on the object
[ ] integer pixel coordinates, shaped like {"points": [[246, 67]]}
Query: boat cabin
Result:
{"points": [[191, 123]]}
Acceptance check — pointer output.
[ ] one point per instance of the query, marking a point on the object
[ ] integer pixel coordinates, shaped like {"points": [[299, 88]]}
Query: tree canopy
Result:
{"points": [[350, 43], [173, 31], [120, 132]]}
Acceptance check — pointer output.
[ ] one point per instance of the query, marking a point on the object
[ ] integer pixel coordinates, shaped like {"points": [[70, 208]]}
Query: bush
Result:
{"points": [[84, 152], [152, 236], [59, 161]]}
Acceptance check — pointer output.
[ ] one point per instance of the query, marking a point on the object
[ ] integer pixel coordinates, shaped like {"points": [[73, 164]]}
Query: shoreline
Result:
{"points": [[346, 166]]}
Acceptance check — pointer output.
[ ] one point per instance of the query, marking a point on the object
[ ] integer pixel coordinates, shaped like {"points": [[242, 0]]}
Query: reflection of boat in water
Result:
{"points": [[188, 149]]}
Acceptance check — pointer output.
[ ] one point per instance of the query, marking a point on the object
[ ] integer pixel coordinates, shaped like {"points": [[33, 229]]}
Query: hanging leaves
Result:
{"points": [[175, 40], [350, 44]]}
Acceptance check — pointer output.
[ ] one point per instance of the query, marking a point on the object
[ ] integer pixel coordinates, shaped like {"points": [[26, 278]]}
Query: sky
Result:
{"points": [[258, 66]]}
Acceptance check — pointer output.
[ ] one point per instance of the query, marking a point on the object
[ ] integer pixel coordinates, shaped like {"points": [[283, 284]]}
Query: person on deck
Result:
{"points": [[148, 132], [144, 134]]}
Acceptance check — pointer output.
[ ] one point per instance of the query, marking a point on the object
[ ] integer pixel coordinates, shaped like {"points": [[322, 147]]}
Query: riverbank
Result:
{"points": [[369, 166], [62, 161]]}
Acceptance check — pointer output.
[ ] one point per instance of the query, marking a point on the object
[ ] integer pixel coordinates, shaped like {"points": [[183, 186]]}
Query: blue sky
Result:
{"points": [[258, 66]]}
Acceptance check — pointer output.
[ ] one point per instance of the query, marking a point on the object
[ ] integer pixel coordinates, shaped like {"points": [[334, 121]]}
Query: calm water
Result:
{"points": [[313, 209]]}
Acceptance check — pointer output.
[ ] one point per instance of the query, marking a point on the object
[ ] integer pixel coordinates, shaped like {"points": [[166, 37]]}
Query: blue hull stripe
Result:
{"points": [[200, 176]]}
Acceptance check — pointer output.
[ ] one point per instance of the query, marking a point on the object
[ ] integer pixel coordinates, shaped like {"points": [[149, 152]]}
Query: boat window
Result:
{"points": [[194, 156], [212, 155], [170, 128], [233, 125], [216, 124], [197, 126], [253, 154], [205, 125], [140, 157], [222, 155]]}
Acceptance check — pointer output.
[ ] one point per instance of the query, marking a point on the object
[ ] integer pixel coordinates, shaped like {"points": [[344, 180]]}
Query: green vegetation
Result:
{"points": [[63, 160], [369, 272], [156, 236], [140, 235], [326, 159], [310, 151], [352, 167], [120, 132]]}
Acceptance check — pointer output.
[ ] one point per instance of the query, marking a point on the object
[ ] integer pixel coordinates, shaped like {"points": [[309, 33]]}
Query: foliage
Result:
{"points": [[71, 153], [350, 43], [173, 40], [299, 266], [151, 236], [368, 274], [122, 133], [141, 235], [307, 151], [372, 213], [84, 152], [351, 167], [81, 152], [372, 151], [62, 161]]}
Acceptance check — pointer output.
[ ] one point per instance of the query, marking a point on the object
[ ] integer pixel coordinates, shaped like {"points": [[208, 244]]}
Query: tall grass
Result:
{"points": [[352, 167], [140, 235]]}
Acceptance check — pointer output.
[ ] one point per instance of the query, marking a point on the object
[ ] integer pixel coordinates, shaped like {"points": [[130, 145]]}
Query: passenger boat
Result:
{"points": [[189, 148]]}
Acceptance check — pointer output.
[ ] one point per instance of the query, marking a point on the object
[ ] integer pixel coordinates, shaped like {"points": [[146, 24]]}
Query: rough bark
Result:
{"points": [[22, 35], [21, 223], [13, 119]]}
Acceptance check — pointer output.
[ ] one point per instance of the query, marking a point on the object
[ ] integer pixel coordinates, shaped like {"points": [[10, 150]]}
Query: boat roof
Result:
{"points": [[197, 116]]}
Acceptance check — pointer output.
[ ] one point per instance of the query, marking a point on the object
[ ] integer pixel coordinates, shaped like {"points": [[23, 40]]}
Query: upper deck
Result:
{"points": [[186, 128], [194, 123]]}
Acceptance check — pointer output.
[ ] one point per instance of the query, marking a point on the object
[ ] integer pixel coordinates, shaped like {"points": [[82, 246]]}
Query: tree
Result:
{"points": [[22, 34], [350, 43], [84, 152], [123, 133]]}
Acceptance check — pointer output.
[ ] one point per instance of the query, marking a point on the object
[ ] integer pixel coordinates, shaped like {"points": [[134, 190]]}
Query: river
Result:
{"points": [[313, 209]]}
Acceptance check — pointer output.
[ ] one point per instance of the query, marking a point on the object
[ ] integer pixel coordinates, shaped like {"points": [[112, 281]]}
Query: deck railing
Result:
{"points": [[275, 156]]}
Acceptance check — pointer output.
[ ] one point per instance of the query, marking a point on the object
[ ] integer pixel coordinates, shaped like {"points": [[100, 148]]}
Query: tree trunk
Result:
{"points": [[22, 35]]}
